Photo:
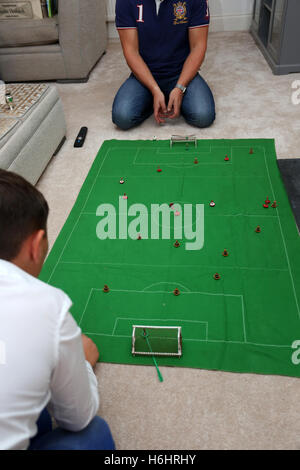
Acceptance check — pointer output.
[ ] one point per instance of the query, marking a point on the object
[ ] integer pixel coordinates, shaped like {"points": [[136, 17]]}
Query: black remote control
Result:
{"points": [[81, 137]]}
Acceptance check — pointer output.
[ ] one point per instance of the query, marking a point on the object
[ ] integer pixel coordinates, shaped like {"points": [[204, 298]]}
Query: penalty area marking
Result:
{"points": [[171, 154], [242, 311], [176, 284]]}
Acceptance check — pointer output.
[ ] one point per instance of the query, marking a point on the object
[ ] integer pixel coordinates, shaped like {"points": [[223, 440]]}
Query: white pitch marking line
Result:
{"points": [[115, 326], [206, 215], [181, 164], [282, 235], [156, 320], [90, 294], [171, 293], [96, 177], [58, 261], [105, 334], [243, 315], [67, 241], [288, 346], [169, 319], [171, 266], [179, 176], [166, 282]]}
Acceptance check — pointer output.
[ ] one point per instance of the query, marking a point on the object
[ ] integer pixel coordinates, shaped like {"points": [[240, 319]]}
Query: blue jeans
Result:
{"points": [[96, 436], [134, 102]]}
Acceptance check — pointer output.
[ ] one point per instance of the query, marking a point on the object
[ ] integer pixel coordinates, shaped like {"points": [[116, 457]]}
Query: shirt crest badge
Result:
{"points": [[180, 13]]}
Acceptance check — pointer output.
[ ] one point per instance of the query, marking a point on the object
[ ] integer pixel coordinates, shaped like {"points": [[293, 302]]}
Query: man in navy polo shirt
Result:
{"points": [[164, 43]]}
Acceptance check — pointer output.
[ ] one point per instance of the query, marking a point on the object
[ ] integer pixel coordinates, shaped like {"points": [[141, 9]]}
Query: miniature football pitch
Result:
{"points": [[249, 319]]}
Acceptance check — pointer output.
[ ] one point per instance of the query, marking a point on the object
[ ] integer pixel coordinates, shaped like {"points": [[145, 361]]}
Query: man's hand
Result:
{"points": [[159, 106], [174, 105], [90, 350]]}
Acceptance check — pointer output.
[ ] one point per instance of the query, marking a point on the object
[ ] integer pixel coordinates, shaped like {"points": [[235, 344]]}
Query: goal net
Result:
{"points": [[156, 340], [185, 139]]}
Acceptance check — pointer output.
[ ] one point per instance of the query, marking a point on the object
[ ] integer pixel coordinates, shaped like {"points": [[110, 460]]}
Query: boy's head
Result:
{"points": [[23, 223]]}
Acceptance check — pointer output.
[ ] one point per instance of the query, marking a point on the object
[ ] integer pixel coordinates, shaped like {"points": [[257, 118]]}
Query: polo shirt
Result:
{"points": [[163, 32]]}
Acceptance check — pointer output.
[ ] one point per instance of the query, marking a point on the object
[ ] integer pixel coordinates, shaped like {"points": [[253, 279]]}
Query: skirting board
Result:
{"points": [[230, 23]]}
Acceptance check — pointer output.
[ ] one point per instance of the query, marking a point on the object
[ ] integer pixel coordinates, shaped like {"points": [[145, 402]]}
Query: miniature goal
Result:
{"points": [[156, 340], [183, 139]]}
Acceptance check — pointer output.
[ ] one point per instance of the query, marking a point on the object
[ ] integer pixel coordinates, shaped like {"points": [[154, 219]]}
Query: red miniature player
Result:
{"points": [[176, 292], [105, 288], [251, 151], [196, 161], [266, 206], [217, 276], [225, 253], [258, 229], [159, 170], [212, 204], [177, 244], [226, 158], [125, 196], [267, 201]]}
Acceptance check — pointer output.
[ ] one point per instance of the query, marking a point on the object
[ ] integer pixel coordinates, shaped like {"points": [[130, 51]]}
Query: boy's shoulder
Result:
{"points": [[58, 299], [29, 287]]}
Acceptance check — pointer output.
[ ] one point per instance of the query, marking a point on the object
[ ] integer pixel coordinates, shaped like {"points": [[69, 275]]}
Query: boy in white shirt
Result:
{"points": [[44, 358]]}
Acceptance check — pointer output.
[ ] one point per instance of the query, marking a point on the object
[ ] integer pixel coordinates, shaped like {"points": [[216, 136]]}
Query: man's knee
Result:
{"points": [[122, 119], [202, 119], [132, 105], [202, 116]]}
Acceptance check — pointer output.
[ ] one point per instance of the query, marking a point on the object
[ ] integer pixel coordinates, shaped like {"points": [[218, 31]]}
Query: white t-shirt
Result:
{"points": [[158, 3], [41, 360]]}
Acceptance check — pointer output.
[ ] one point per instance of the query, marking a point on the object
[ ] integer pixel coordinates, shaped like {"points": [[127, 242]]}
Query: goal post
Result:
{"points": [[156, 340], [185, 139]]}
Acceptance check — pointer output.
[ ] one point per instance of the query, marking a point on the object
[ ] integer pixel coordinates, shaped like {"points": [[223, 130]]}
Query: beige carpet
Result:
{"points": [[191, 409]]}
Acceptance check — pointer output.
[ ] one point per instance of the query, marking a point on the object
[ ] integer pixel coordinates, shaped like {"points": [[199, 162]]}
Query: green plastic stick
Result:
{"points": [[154, 360]]}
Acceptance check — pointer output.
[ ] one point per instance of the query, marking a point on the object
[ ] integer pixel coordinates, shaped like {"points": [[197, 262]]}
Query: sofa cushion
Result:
{"points": [[21, 32], [30, 110], [27, 146], [25, 96]]}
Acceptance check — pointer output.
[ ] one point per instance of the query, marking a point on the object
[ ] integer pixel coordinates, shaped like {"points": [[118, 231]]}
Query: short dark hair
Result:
{"points": [[23, 210]]}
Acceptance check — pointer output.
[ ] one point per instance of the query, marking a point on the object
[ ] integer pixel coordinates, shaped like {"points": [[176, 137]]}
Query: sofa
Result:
{"points": [[63, 48], [33, 130]]}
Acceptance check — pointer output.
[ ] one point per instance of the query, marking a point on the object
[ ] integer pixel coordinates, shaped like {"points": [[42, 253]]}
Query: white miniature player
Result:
{"points": [[9, 100]]}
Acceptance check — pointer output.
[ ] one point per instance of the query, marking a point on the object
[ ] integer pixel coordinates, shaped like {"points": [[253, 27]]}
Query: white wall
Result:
{"points": [[230, 15], [226, 15]]}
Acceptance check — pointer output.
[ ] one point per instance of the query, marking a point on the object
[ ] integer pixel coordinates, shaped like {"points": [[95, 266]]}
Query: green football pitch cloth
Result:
{"points": [[249, 319]]}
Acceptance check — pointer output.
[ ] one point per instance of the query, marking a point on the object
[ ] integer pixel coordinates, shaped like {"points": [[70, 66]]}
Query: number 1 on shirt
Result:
{"points": [[140, 20]]}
